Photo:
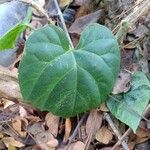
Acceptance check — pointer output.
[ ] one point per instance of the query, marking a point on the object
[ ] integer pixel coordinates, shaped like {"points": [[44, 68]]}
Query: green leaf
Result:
{"points": [[8, 40], [68, 82], [132, 104]]}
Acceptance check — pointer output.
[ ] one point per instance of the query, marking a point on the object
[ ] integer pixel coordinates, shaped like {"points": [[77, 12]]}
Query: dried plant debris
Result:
{"points": [[24, 127]]}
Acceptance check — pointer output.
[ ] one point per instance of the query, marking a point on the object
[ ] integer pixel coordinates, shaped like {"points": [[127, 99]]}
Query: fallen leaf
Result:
{"points": [[64, 3], [123, 83], [7, 103], [41, 136], [77, 146], [11, 147], [11, 141], [33, 119], [67, 129], [22, 112], [19, 124], [128, 107], [142, 133], [94, 122], [80, 23], [142, 146], [104, 135], [52, 122], [140, 31], [1, 135], [2, 145], [131, 145], [51, 8], [53, 143], [82, 11], [9, 83], [141, 140]]}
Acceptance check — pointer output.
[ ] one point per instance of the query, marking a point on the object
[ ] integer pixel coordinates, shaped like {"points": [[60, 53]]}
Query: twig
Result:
{"points": [[75, 131], [109, 120], [133, 42], [63, 23], [122, 138]]}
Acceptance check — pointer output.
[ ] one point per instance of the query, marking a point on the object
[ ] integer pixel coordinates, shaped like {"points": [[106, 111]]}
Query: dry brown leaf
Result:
{"points": [[103, 108], [64, 3], [1, 135], [141, 133], [11, 141], [11, 147], [52, 122], [82, 11], [94, 122], [80, 23], [131, 145], [33, 119], [19, 124], [67, 129], [122, 83], [22, 112], [41, 136], [53, 143], [7, 103], [77, 146], [141, 136], [9, 83], [104, 135], [140, 31], [141, 140], [2, 145]]}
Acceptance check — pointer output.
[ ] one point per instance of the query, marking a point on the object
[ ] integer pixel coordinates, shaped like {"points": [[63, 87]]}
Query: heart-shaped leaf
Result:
{"points": [[131, 105], [68, 81]]}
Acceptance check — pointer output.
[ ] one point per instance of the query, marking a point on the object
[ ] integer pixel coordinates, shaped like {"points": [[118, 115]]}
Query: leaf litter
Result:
{"points": [[24, 127]]}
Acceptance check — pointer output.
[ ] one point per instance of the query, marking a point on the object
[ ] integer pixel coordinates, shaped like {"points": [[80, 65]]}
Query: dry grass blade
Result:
{"points": [[138, 11]]}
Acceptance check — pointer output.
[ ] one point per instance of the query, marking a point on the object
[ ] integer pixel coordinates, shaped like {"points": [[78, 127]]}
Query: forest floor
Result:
{"points": [[26, 128]]}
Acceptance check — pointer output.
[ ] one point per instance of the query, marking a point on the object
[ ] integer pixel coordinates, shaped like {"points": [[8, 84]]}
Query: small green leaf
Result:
{"points": [[132, 104], [68, 82], [8, 40]]}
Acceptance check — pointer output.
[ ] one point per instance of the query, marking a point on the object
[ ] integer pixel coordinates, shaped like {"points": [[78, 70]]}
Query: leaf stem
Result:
{"points": [[63, 22], [109, 120], [28, 16]]}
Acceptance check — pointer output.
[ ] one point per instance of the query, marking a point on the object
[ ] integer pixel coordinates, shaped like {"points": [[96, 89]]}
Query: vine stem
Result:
{"points": [[63, 22], [75, 131], [115, 130]]}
